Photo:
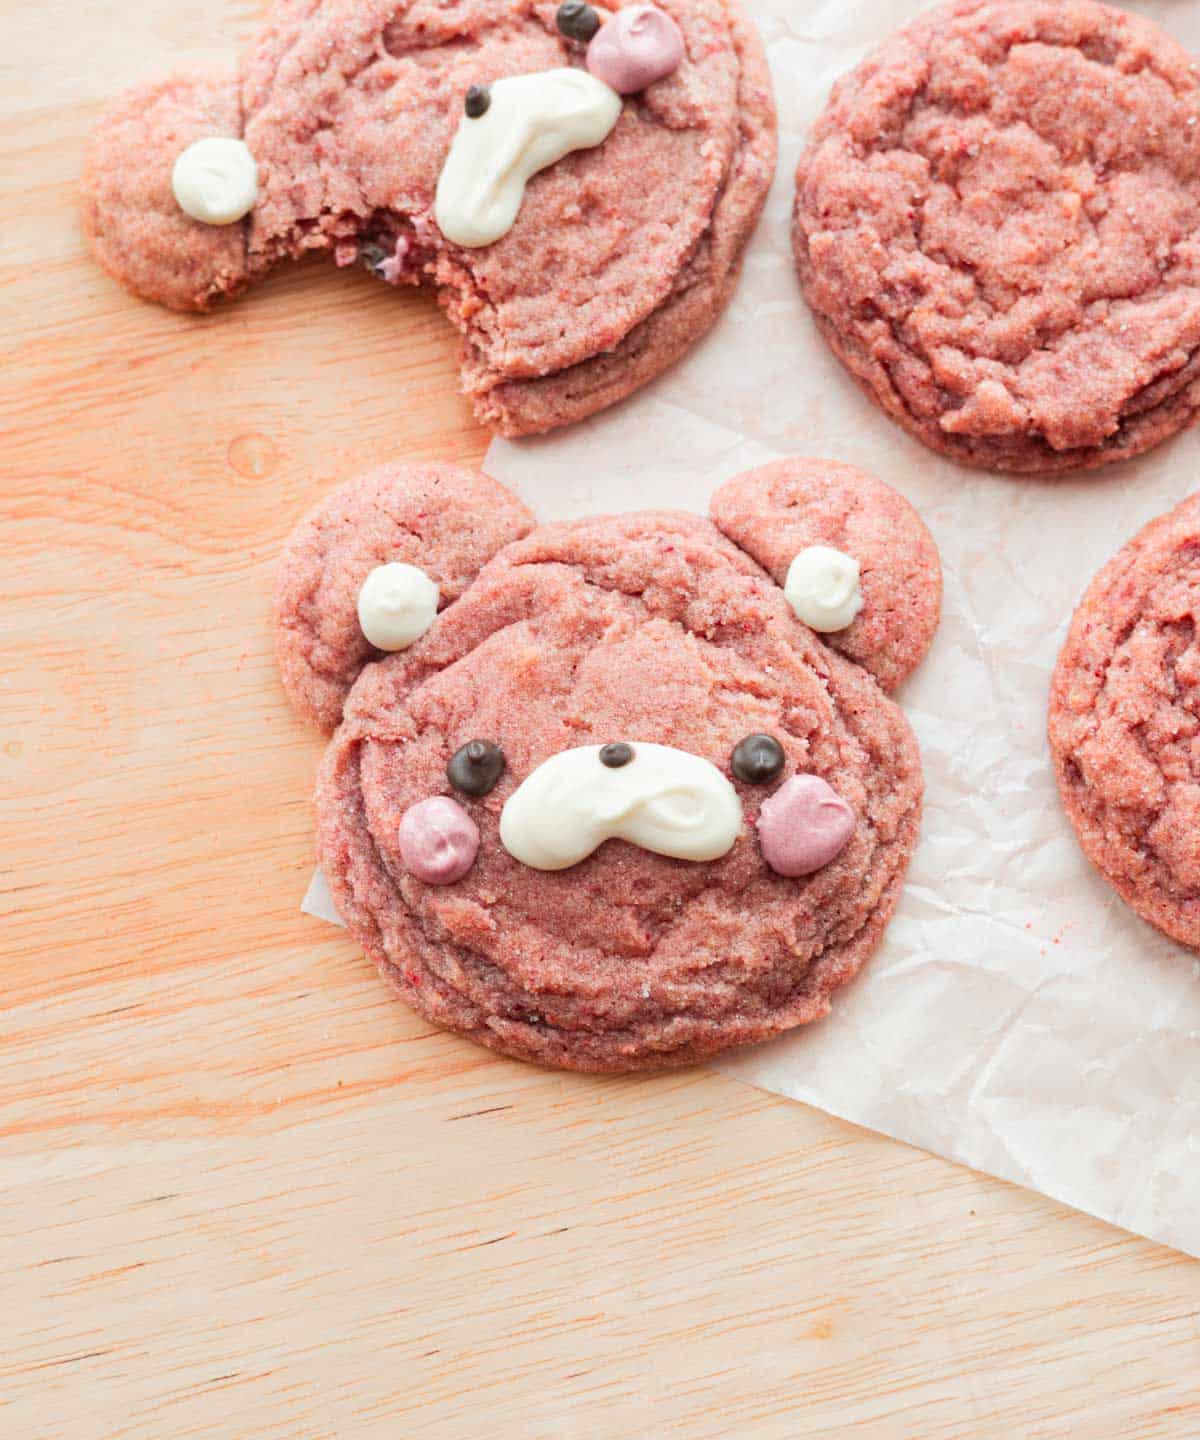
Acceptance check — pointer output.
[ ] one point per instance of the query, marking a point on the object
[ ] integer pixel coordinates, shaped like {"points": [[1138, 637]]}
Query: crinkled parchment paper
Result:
{"points": [[1017, 1016]]}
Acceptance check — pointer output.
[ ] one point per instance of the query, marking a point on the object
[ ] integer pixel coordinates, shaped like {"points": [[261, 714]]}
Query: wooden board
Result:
{"points": [[243, 1192]]}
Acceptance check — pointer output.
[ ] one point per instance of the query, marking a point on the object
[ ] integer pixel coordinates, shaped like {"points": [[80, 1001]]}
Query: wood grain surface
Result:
{"points": [[243, 1192]]}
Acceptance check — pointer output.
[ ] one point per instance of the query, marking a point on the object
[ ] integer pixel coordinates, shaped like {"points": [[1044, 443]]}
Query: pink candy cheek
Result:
{"points": [[438, 841], [804, 826], [638, 46], [451, 859]]}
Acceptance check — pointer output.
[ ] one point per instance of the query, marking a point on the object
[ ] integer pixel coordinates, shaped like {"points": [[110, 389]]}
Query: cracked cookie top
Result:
{"points": [[997, 223], [1125, 723]]}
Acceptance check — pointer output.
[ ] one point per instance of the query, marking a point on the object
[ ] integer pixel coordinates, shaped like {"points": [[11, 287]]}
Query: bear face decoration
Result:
{"points": [[577, 187], [599, 795]]}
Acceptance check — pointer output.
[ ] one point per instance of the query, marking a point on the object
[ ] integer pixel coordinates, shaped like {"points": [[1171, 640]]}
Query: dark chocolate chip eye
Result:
{"points": [[371, 257], [577, 21], [476, 768], [614, 756], [478, 101], [757, 759]]}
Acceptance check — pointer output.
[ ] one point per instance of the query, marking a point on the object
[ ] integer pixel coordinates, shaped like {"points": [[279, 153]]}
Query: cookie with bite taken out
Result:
{"points": [[580, 205]]}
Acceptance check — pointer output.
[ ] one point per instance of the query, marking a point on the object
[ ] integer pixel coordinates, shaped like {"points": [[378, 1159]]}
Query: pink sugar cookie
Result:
{"points": [[1125, 723], [675, 673], [620, 257], [995, 226]]}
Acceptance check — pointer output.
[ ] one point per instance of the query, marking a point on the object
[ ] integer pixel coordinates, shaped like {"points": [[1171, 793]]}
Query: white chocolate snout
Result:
{"points": [[664, 800], [532, 121]]}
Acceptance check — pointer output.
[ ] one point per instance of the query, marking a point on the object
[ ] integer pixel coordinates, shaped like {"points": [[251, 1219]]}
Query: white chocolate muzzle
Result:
{"points": [[531, 122], [664, 800]]}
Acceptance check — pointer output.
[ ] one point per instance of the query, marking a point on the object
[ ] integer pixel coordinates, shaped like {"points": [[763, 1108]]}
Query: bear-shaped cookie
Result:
{"points": [[580, 235], [598, 796]]}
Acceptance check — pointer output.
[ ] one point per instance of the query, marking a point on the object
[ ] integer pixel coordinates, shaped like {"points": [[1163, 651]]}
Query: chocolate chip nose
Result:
{"points": [[476, 768], [757, 759]]}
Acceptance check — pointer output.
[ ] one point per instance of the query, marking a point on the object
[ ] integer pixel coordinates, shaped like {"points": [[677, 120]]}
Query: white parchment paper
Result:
{"points": [[1018, 1017]]}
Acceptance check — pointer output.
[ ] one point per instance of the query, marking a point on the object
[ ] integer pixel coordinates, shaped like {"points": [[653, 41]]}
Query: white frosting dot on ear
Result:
{"points": [[665, 800], [396, 605], [822, 587], [215, 180], [530, 122]]}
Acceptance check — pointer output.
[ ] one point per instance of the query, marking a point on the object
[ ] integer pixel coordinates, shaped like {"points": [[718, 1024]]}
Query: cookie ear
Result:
{"points": [[445, 521], [776, 512], [136, 227]]}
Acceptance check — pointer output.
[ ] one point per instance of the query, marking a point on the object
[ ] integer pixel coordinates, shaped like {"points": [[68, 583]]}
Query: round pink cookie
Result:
{"points": [[446, 520], [621, 255], [646, 627], [778, 510], [136, 228], [1125, 723], [996, 226]]}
